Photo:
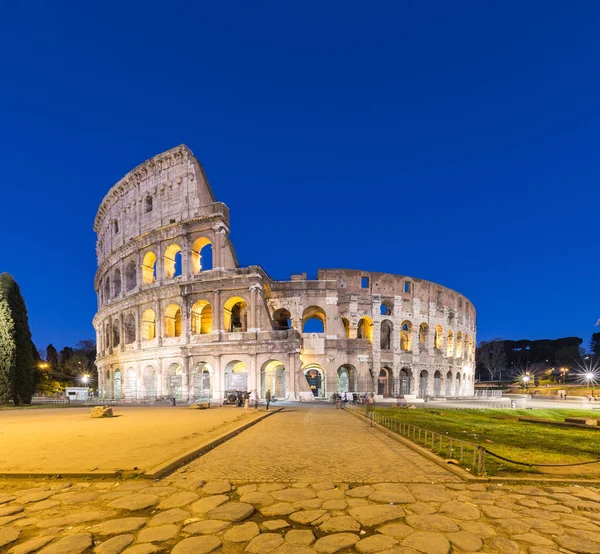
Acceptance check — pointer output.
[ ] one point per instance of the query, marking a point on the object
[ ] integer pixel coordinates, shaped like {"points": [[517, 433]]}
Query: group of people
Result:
{"points": [[245, 399], [339, 398]]}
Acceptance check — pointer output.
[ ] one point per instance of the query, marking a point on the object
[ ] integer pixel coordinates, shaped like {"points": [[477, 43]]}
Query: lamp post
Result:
{"points": [[590, 378]]}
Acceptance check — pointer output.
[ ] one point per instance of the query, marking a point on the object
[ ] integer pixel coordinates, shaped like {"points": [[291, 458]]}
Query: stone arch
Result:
{"points": [[117, 283], [150, 380], [107, 288], [174, 381], [118, 384], [450, 344], [346, 327], [116, 332], [172, 261], [346, 378], [130, 276], [423, 384], [316, 319], [437, 384], [386, 307], [282, 320], [459, 345], [438, 339], [236, 375], [149, 268], [423, 334], [315, 376], [172, 321], [385, 334], [148, 325], [404, 376], [385, 382], [272, 377], [457, 385], [201, 319], [131, 384], [406, 332], [449, 383], [202, 255], [202, 381], [129, 329], [235, 315], [365, 328]]}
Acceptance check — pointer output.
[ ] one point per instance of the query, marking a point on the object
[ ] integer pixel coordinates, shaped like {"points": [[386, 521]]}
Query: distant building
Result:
{"points": [[177, 316]]}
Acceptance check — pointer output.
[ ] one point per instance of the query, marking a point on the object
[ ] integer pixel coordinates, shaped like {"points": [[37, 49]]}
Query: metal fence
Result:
{"points": [[465, 454]]}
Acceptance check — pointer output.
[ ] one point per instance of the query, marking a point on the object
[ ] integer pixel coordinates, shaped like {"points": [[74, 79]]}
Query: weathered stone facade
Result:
{"points": [[178, 317]]}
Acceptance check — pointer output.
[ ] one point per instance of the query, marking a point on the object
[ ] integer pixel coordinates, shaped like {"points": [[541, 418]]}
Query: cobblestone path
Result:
{"points": [[316, 442], [184, 514]]}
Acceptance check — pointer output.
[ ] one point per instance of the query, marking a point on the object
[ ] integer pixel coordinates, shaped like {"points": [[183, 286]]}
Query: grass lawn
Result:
{"points": [[500, 432]]}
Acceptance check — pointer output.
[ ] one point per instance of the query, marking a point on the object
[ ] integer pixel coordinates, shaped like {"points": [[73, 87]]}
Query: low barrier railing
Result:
{"points": [[468, 455]]}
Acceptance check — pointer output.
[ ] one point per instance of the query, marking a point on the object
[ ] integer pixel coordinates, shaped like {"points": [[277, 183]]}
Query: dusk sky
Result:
{"points": [[451, 141]]}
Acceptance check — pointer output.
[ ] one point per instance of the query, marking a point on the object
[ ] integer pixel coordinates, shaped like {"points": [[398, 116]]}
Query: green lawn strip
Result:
{"points": [[524, 442]]}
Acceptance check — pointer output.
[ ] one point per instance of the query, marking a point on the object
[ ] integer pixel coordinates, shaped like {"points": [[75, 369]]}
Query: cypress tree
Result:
{"points": [[18, 337], [8, 351]]}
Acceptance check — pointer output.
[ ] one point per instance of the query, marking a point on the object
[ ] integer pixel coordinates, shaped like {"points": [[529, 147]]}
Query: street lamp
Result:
{"points": [[85, 379], [526, 378], [590, 378]]}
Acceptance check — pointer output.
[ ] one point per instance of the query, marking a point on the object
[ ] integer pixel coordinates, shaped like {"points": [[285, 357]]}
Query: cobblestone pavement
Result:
{"points": [[183, 514], [316, 442]]}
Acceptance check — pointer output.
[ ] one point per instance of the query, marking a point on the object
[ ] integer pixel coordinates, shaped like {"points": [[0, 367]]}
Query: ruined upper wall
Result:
{"points": [[165, 189]]}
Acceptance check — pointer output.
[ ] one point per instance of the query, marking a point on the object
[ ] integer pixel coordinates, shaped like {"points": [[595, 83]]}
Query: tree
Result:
{"points": [[17, 358], [595, 344], [491, 356], [52, 357]]}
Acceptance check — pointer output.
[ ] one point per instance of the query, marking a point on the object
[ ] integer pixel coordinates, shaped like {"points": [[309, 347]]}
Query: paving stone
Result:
{"points": [[358, 502], [258, 498], [310, 504], [499, 513], [9, 519], [465, 541], [143, 549], [306, 517], [433, 522], [246, 488], [376, 543], [323, 486], [340, 524], [460, 510], [232, 511], [6, 498], [118, 526], [10, 510], [71, 498], [502, 545], [334, 543], [43, 505], [542, 550], [31, 545], [178, 500], [396, 497], [331, 494], [396, 530], [264, 543], [360, 492], [578, 545], [532, 538], [422, 508], [271, 487], [583, 525], [593, 536], [8, 535], [174, 515], [206, 527], [159, 533], [205, 505], [300, 537], [73, 544], [512, 526], [334, 505], [34, 497], [430, 493], [428, 542], [482, 530], [275, 524], [197, 545], [293, 495], [242, 533], [216, 487], [369, 516], [279, 509], [73, 519], [115, 545], [135, 502]]}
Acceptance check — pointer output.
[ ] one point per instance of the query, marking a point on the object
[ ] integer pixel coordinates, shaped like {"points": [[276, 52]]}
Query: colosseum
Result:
{"points": [[178, 317]]}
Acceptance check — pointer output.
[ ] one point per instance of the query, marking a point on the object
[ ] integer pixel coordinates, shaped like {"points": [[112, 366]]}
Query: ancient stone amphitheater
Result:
{"points": [[177, 316]]}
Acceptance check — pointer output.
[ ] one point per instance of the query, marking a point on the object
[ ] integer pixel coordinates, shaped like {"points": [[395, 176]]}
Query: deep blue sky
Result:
{"points": [[452, 141]]}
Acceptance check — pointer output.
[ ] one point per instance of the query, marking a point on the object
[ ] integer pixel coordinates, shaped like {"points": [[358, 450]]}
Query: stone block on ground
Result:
{"points": [[101, 411]]}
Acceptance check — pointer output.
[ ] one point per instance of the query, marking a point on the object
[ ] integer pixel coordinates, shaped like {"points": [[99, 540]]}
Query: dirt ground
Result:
{"points": [[69, 440]]}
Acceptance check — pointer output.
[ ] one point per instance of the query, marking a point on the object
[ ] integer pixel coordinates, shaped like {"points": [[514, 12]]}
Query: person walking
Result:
{"points": [[268, 398], [254, 399], [246, 400]]}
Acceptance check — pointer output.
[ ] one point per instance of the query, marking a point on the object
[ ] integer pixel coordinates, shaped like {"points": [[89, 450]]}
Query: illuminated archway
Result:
{"points": [[346, 378], [202, 380], [272, 377], [423, 334], [315, 377], [174, 381], [172, 261], [172, 321], [314, 320], [459, 345], [149, 268], [450, 345], [365, 329], [201, 318], [235, 315], [202, 254], [438, 339], [406, 336], [346, 327], [148, 325], [384, 382], [236, 375], [282, 319]]}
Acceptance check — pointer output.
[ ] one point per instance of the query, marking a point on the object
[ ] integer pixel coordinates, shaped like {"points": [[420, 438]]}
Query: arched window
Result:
{"points": [[282, 320], [314, 320], [386, 307], [201, 255], [172, 321], [423, 334], [117, 283], [107, 288], [235, 315], [172, 261], [459, 345], [148, 204], [387, 328], [437, 384], [116, 333], [129, 329], [346, 327], [365, 329], [201, 318], [148, 325], [450, 345], [130, 276], [406, 336], [438, 339], [423, 382], [149, 268]]}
